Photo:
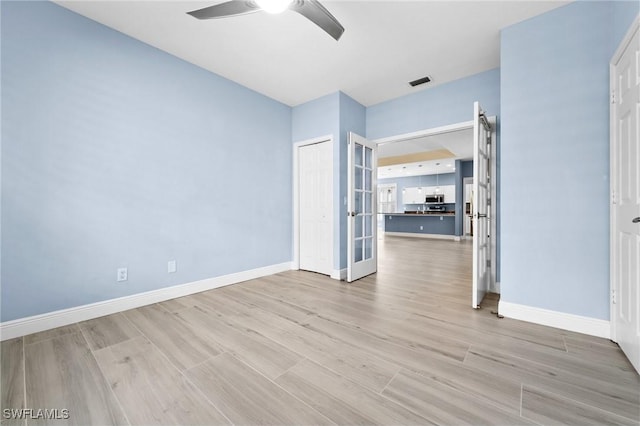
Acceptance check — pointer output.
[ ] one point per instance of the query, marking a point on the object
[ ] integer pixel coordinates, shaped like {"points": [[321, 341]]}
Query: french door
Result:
{"points": [[362, 258], [481, 205]]}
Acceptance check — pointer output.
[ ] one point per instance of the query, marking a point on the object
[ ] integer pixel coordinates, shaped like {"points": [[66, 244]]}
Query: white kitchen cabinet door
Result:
{"points": [[449, 192], [412, 196]]}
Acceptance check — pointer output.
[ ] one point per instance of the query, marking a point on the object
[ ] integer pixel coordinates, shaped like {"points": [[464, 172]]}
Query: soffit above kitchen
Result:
{"points": [[386, 44], [432, 154]]}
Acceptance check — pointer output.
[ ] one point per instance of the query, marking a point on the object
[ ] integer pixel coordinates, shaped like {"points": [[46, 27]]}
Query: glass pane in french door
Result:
{"points": [[358, 156], [358, 226], [357, 204], [357, 252], [358, 178], [364, 222], [368, 248]]}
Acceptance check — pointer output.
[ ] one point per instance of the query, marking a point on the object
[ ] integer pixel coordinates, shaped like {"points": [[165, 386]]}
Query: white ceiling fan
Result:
{"points": [[310, 9]]}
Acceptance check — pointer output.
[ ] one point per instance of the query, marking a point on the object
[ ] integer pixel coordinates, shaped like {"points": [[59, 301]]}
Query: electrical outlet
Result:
{"points": [[421, 227], [441, 218], [172, 266], [122, 274]]}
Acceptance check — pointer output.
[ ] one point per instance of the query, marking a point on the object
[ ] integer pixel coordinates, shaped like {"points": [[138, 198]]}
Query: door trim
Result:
{"points": [[635, 26], [295, 264]]}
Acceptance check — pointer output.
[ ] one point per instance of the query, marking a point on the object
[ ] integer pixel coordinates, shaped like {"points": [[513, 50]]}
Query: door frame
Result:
{"points": [[464, 125], [613, 283], [295, 264]]}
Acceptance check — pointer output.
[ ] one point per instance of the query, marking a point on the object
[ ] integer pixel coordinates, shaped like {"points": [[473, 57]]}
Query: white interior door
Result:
{"points": [[625, 207], [315, 186], [481, 194], [362, 257]]}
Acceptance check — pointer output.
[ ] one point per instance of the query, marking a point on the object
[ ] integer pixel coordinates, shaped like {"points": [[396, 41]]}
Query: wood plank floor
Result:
{"points": [[401, 347]]}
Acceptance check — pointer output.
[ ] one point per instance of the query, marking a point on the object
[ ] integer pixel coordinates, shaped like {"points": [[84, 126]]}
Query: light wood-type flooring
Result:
{"points": [[401, 347]]}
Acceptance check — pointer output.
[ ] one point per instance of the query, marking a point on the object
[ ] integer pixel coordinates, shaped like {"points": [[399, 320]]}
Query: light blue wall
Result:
{"points": [[449, 103], [624, 12], [115, 154], [337, 115], [555, 160], [352, 119], [319, 117]]}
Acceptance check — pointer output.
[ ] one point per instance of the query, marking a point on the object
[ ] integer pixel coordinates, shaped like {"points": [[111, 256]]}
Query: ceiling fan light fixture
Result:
{"points": [[274, 6]]}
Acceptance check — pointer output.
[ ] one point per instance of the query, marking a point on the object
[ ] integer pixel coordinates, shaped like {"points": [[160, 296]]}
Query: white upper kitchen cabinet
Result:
{"points": [[449, 192], [413, 195]]}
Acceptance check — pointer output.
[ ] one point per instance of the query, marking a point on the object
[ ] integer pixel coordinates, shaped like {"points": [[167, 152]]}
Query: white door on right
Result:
{"points": [[481, 194], [625, 206]]}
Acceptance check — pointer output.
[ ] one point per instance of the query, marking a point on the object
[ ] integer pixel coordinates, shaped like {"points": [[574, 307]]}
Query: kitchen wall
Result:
{"points": [[555, 157], [417, 181], [115, 154]]}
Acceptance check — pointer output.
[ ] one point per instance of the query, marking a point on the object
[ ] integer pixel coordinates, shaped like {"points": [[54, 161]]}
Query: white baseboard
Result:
{"points": [[339, 274], [579, 324], [36, 323], [417, 235]]}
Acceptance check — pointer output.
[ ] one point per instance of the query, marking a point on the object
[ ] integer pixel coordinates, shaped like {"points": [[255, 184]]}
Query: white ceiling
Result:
{"points": [[386, 44], [459, 142]]}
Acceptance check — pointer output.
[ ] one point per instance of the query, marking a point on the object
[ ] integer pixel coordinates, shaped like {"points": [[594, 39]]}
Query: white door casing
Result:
{"points": [[313, 205], [362, 256], [481, 203], [625, 196]]}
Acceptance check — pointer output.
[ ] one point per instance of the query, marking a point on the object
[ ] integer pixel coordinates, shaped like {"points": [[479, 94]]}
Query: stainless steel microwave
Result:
{"points": [[434, 199]]}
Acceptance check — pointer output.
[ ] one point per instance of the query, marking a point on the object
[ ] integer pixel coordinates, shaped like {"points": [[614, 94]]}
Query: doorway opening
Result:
{"points": [[437, 162]]}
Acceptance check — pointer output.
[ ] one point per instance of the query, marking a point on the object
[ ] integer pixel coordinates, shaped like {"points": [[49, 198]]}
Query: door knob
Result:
{"points": [[636, 220]]}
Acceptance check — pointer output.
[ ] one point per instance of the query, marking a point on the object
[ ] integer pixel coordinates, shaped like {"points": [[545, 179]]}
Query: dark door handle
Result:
{"points": [[636, 220]]}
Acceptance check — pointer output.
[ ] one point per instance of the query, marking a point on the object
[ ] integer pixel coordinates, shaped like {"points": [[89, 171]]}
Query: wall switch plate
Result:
{"points": [[123, 274], [172, 266]]}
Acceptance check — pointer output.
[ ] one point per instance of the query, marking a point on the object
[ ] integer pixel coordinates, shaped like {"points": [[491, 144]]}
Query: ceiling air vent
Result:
{"points": [[420, 81]]}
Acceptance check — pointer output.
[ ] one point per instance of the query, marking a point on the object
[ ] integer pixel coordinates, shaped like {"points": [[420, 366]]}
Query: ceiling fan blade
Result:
{"points": [[230, 8], [316, 13]]}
